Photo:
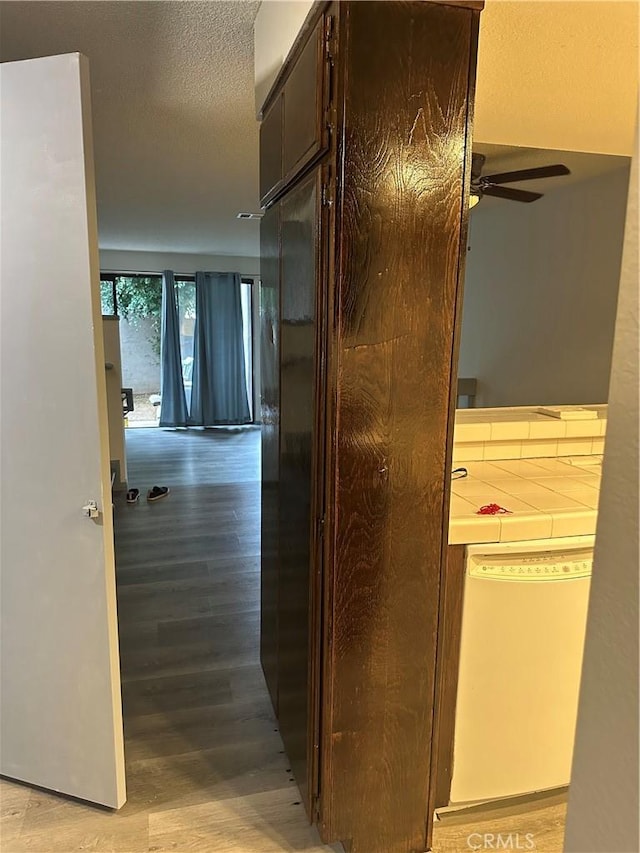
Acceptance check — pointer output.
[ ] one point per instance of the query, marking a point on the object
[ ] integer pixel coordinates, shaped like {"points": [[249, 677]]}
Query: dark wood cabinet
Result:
{"points": [[363, 241], [271, 149], [302, 134], [270, 418], [293, 131], [291, 330], [298, 438]]}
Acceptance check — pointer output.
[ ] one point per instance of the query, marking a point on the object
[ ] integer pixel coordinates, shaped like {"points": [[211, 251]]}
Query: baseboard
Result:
{"points": [[117, 484], [504, 807]]}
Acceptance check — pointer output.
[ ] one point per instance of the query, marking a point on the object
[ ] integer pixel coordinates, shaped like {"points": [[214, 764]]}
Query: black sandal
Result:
{"points": [[157, 492], [133, 495]]}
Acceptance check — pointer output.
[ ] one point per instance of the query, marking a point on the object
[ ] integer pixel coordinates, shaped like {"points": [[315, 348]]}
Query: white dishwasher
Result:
{"points": [[523, 628]]}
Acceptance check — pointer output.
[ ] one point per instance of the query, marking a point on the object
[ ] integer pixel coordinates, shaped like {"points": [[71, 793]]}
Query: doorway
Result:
{"points": [[200, 735], [201, 743]]}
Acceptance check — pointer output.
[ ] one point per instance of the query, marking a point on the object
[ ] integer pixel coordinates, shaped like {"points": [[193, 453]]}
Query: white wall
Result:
{"points": [[116, 260], [559, 74], [540, 295], [603, 800], [277, 24]]}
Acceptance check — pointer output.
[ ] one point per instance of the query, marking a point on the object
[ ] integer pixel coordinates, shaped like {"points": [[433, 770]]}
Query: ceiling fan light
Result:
{"points": [[473, 200]]}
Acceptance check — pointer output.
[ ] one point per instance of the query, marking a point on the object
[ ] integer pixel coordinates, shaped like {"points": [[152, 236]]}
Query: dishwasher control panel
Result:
{"points": [[540, 566]]}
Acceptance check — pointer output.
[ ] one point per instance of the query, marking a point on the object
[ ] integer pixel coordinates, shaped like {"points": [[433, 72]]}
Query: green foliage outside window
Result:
{"points": [[106, 297], [139, 298]]}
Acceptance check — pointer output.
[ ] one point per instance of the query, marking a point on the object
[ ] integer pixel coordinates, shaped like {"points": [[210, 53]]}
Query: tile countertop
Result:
{"points": [[522, 432], [547, 498]]}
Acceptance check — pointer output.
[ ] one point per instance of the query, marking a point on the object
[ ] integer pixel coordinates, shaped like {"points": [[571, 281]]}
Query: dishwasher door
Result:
{"points": [[523, 628]]}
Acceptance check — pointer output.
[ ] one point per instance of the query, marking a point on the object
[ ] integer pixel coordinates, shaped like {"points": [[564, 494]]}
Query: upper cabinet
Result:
{"points": [[271, 150], [303, 107], [293, 130]]}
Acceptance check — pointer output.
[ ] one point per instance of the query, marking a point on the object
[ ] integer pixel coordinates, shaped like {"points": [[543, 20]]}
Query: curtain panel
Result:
{"points": [[173, 405], [219, 390]]}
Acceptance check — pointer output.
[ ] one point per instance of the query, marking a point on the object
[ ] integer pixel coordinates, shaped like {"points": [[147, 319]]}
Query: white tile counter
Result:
{"points": [[546, 497], [523, 433]]}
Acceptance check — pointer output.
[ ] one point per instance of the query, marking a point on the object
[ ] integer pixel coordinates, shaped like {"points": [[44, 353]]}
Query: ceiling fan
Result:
{"points": [[491, 185]]}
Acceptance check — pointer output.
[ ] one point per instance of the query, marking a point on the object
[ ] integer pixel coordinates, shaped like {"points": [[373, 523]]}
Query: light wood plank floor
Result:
{"points": [[206, 769], [537, 827]]}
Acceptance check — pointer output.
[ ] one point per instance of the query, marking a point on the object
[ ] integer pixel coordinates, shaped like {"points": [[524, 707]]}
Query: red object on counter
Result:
{"points": [[492, 509]]}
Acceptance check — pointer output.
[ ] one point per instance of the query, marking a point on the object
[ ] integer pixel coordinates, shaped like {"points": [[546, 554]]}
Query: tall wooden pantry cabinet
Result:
{"points": [[365, 152]]}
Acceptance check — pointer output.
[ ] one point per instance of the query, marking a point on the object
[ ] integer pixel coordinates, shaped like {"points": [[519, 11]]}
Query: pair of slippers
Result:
{"points": [[154, 494]]}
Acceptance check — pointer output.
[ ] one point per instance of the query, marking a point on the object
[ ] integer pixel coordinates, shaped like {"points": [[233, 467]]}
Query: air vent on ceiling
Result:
{"points": [[250, 216]]}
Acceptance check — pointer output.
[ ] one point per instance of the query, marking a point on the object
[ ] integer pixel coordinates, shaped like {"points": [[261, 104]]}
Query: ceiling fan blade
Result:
{"points": [[511, 194], [528, 174]]}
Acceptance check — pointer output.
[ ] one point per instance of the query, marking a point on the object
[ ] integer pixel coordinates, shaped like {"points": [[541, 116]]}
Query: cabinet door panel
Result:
{"points": [[303, 106], [270, 416], [271, 149], [300, 235]]}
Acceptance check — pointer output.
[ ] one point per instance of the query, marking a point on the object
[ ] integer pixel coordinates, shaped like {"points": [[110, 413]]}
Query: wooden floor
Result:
{"points": [[205, 764], [537, 826]]}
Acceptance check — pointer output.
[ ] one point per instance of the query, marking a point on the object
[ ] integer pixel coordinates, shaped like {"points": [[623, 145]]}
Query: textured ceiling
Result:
{"points": [[558, 74], [175, 132]]}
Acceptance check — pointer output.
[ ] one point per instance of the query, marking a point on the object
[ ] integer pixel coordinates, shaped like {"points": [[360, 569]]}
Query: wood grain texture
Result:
{"points": [[270, 416], [298, 439], [448, 661], [396, 90], [404, 135]]}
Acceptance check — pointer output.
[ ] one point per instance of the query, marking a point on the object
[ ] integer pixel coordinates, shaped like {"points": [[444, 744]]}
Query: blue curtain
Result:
{"points": [[219, 390], [173, 406]]}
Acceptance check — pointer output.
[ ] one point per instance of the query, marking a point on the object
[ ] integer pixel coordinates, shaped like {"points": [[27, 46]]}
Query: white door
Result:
{"points": [[61, 716]]}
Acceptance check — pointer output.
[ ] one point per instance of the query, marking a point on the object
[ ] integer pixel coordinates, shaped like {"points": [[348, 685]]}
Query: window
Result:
{"points": [[108, 295], [246, 296], [186, 293], [137, 300]]}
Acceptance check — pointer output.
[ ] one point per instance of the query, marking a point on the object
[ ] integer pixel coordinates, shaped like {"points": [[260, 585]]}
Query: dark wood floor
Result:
{"points": [[205, 764]]}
